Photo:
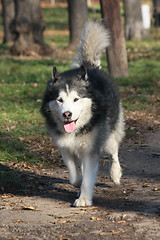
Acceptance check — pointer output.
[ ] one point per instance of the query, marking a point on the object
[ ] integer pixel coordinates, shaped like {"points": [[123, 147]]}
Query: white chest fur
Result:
{"points": [[77, 145]]}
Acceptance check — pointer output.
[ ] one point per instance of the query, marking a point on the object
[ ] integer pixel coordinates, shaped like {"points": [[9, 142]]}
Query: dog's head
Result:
{"points": [[69, 101]]}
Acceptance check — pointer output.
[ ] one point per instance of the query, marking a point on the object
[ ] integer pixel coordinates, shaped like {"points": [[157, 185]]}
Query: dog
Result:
{"points": [[84, 114]]}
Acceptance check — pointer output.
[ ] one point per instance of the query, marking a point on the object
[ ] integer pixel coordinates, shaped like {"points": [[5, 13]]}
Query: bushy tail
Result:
{"points": [[94, 39]]}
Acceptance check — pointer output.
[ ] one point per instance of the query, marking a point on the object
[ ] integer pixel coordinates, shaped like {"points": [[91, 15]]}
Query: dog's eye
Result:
{"points": [[60, 100], [76, 99]]}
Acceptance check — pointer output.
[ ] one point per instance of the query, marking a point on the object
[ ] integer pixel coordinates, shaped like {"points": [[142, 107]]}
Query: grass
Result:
{"points": [[22, 83], [141, 88], [56, 18]]}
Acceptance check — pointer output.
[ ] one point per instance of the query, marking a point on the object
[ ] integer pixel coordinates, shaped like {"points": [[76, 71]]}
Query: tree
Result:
{"points": [[78, 15], [116, 53], [8, 13], [28, 26], [156, 12], [133, 20]]}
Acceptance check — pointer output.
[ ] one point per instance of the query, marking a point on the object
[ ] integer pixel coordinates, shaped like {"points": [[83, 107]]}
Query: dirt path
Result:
{"points": [[132, 211]]}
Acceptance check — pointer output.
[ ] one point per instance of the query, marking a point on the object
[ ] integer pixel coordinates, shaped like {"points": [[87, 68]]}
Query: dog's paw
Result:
{"points": [[116, 173], [82, 202]]}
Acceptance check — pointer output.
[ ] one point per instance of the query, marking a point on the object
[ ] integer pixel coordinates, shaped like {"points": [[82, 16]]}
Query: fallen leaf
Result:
{"points": [[29, 208], [105, 233], [63, 221], [62, 238], [35, 85], [8, 195], [19, 221], [96, 218], [145, 186], [122, 222]]}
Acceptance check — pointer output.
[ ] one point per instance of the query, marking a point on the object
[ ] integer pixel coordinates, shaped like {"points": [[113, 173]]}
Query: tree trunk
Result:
{"points": [[116, 53], [28, 27], [8, 12], [134, 29], [78, 15], [156, 12]]}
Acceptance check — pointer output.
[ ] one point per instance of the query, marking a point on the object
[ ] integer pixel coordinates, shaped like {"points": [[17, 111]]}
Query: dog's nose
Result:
{"points": [[67, 115]]}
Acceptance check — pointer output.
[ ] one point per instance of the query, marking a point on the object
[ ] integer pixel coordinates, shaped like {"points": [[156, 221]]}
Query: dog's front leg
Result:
{"points": [[90, 166], [75, 177]]}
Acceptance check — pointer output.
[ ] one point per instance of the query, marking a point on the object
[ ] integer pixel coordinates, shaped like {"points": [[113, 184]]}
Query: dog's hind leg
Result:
{"points": [[75, 176], [112, 147], [115, 170]]}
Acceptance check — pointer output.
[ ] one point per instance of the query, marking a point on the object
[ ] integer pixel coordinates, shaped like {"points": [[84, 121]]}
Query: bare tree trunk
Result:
{"points": [[116, 53], [28, 27], [78, 15], [156, 12], [133, 20], [8, 13]]}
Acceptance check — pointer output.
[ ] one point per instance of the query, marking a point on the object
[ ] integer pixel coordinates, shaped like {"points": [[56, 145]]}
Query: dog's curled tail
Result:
{"points": [[94, 39]]}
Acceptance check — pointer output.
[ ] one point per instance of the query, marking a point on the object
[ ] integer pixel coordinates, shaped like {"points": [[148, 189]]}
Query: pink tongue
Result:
{"points": [[69, 127]]}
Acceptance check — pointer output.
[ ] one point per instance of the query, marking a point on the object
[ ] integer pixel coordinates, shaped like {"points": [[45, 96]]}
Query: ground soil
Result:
{"points": [[42, 209]]}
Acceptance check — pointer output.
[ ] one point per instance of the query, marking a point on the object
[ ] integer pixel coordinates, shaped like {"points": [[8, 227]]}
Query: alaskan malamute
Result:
{"points": [[84, 115]]}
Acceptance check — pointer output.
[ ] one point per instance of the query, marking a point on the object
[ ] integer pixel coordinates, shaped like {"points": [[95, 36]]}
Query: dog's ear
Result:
{"points": [[83, 73], [55, 75]]}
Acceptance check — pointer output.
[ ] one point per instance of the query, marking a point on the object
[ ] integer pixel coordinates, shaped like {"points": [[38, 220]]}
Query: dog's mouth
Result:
{"points": [[69, 126]]}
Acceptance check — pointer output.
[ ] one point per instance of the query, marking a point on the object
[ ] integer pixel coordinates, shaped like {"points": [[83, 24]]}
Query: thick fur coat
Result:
{"points": [[84, 114]]}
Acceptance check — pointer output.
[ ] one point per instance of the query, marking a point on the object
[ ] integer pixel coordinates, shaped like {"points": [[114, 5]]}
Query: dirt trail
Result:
{"points": [[132, 211]]}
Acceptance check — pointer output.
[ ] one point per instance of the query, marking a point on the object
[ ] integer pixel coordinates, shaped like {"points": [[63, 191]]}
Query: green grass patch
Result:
{"points": [[4, 49], [140, 90], [22, 85], [58, 41], [56, 18]]}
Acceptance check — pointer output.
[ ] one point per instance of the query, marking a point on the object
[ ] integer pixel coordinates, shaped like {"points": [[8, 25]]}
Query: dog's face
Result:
{"points": [[71, 105]]}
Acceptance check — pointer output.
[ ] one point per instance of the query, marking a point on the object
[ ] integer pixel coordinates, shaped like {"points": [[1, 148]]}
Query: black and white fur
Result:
{"points": [[84, 115]]}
